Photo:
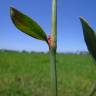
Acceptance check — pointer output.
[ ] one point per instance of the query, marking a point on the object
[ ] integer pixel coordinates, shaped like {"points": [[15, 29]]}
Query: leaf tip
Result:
{"points": [[83, 20], [81, 17], [12, 11]]}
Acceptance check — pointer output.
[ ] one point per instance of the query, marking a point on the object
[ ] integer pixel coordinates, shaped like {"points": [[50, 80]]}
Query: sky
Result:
{"points": [[70, 34]]}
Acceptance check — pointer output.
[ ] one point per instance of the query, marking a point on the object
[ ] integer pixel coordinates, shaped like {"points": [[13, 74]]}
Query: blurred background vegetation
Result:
{"points": [[28, 73]]}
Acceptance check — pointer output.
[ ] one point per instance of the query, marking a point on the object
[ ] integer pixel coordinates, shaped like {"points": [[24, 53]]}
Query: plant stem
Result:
{"points": [[92, 91], [54, 21], [53, 47], [53, 72]]}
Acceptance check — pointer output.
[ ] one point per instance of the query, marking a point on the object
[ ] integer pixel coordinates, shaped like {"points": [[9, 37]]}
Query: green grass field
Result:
{"points": [[28, 74]]}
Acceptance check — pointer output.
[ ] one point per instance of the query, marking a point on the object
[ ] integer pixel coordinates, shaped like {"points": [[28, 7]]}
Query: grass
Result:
{"points": [[28, 74]]}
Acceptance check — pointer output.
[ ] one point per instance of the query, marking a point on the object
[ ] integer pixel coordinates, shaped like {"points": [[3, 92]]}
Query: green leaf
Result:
{"points": [[27, 25], [89, 37]]}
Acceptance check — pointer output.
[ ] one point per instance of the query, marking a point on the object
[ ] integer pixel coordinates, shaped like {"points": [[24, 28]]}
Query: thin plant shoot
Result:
{"points": [[28, 26]]}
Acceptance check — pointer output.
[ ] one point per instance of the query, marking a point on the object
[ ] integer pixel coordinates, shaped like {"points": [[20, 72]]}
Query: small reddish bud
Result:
{"points": [[49, 39]]}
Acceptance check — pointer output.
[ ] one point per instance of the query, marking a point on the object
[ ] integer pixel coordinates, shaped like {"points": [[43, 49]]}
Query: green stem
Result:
{"points": [[54, 21], [92, 91], [53, 72], [53, 47]]}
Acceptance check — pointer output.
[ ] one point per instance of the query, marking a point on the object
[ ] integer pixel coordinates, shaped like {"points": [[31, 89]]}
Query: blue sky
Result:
{"points": [[70, 35]]}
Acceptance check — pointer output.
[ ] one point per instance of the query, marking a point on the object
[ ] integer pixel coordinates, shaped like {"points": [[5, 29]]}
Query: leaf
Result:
{"points": [[27, 25], [89, 37]]}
